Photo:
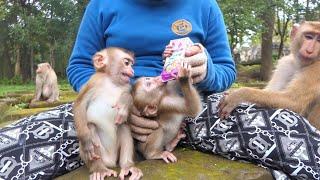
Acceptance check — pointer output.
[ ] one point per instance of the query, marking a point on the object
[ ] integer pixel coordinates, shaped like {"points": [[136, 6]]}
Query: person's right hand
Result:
{"points": [[141, 126]]}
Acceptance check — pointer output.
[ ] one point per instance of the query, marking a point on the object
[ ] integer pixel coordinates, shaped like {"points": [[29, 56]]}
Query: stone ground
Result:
{"points": [[191, 164]]}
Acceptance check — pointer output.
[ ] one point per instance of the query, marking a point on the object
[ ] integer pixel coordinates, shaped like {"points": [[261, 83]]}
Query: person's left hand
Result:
{"points": [[196, 57]]}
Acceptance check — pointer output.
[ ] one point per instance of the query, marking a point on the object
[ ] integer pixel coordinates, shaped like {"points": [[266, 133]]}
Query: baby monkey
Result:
{"points": [[154, 98], [100, 114]]}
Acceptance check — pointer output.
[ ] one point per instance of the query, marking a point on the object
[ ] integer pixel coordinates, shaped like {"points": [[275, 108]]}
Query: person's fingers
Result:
{"points": [[141, 138], [196, 60], [169, 47], [198, 70], [143, 122], [167, 52], [197, 79], [193, 50], [139, 130]]}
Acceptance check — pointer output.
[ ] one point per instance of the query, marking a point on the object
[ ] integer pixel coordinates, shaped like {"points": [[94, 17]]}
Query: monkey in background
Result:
{"points": [[46, 84], [295, 84], [162, 101], [100, 112]]}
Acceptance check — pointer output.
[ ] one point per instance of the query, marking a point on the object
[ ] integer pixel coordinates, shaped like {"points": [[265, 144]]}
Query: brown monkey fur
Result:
{"points": [[153, 98], [100, 113], [295, 84]]}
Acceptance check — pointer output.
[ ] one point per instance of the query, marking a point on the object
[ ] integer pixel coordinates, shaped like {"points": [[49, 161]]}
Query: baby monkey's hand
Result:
{"points": [[184, 72]]}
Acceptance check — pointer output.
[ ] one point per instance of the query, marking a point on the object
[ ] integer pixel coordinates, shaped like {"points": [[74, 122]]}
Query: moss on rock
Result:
{"points": [[191, 165], [17, 113]]}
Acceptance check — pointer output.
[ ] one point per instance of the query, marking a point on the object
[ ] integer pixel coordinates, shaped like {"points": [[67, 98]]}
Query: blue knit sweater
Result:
{"points": [[146, 27]]}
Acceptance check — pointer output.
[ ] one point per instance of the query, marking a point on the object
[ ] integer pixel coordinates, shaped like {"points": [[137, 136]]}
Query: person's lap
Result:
{"points": [[45, 145], [274, 138], [41, 146]]}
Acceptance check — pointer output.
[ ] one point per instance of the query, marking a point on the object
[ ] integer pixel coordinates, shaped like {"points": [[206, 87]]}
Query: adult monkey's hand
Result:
{"points": [[141, 126], [196, 57]]}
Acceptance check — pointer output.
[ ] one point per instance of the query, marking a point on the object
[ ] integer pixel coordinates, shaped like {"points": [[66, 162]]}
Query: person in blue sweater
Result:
{"points": [[45, 145], [146, 27]]}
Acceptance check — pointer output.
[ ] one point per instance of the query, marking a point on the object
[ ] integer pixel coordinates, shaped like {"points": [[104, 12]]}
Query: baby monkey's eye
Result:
{"points": [[128, 62]]}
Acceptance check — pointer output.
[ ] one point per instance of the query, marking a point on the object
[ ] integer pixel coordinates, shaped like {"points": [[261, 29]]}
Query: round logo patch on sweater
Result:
{"points": [[181, 27]]}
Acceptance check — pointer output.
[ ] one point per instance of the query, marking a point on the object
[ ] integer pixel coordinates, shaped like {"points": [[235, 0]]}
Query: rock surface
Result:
{"points": [[191, 165]]}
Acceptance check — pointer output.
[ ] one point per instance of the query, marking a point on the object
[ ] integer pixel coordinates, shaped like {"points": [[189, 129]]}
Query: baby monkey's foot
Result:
{"points": [[168, 157]]}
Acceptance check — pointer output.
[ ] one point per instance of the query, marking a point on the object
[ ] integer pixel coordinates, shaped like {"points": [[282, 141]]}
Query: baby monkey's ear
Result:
{"points": [[150, 111], [99, 60]]}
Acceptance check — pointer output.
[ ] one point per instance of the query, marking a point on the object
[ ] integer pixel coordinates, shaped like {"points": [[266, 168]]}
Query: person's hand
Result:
{"points": [[196, 57], [140, 126]]}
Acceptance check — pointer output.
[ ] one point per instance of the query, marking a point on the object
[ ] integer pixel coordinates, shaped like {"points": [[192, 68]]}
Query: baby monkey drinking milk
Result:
{"points": [[155, 98]]}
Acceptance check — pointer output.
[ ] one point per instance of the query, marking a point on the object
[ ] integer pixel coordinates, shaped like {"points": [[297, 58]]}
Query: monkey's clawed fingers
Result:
{"points": [[93, 156], [121, 116], [102, 175], [168, 157], [91, 149], [225, 107], [184, 70], [136, 173]]}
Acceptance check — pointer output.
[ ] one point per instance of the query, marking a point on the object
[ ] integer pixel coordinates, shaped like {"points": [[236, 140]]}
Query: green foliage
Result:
{"points": [[3, 12], [37, 31], [21, 105], [44, 30], [16, 80]]}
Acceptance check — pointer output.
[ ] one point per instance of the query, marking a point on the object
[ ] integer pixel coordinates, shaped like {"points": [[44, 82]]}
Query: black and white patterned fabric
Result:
{"points": [[41, 146], [274, 138], [44, 145]]}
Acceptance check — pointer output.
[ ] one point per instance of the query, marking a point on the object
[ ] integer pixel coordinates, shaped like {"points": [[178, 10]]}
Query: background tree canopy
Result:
{"points": [[34, 31]]}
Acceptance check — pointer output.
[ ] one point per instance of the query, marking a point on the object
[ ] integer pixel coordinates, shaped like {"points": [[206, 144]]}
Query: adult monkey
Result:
{"points": [[301, 93], [46, 84]]}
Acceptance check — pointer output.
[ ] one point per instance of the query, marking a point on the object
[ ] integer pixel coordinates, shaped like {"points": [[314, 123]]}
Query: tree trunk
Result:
{"points": [[266, 43], [6, 67], [307, 16], [282, 37], [32, 63], [25, 63], [51, 54], [17, 66]]}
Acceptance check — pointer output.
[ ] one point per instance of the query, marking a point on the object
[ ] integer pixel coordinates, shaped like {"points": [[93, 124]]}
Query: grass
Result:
{"points": [[30, 87], [4, 89]]}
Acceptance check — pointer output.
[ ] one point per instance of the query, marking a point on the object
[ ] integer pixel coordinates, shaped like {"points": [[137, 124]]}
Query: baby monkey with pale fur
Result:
{"points": [[100, 113], [162, 101]]}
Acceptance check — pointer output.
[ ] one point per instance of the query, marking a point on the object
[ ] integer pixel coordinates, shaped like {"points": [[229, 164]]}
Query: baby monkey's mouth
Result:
{"points": [[125, 76]]}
